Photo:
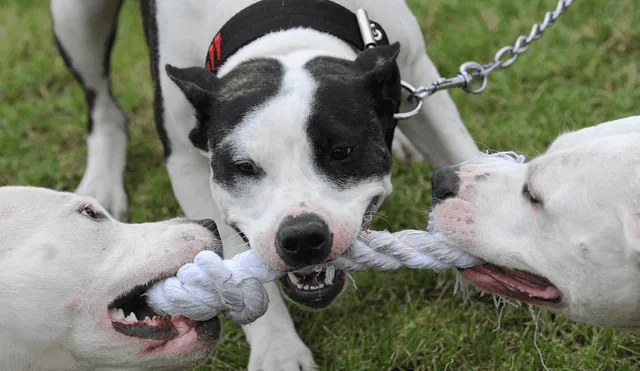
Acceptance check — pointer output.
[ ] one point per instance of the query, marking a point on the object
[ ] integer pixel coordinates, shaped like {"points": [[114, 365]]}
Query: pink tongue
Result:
{"points": [[520, 281]]}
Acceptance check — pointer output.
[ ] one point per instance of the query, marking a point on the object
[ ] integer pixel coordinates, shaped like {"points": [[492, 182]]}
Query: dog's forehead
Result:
{"points": [[34, 201]]}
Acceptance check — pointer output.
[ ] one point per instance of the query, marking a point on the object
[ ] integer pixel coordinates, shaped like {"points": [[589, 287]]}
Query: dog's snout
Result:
{"points": [[445, 183], [210, 225], [303, 240]]}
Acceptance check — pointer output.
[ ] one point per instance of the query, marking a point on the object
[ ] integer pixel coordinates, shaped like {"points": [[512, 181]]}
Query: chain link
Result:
{"points": [[474, 71]]}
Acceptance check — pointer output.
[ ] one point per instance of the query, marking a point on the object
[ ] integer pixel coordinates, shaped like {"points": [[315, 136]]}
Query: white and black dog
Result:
{"points": [[562, 231], [72, 279], [284, 139]]}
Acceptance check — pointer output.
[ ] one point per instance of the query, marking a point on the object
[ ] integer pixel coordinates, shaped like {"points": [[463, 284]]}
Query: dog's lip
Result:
{"points": [[314, 299], [152, 326], [515, 284]]}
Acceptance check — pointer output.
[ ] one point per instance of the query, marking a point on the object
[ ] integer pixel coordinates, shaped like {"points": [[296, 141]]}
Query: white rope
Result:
{"points": [[233, 287]]}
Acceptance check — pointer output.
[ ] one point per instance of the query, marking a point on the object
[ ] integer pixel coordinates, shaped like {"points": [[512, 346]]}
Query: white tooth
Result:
{"points": [[328, 275], [117, 314], [306, 287], [113, 313], [147, 318], [320, 285], [293, 278], [299, 286], [132, 317], [314, 287]]}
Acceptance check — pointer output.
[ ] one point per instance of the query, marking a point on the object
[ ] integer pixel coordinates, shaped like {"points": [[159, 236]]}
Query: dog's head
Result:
{"points": [[299, 148], [562, 231], [73, 281]]}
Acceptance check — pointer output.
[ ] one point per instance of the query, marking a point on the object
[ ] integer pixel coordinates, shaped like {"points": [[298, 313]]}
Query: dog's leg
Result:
{"points": [[437, 131], [84, 32]]}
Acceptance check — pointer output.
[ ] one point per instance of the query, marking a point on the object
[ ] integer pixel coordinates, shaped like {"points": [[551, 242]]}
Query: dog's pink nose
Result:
{"points": [[303, 240]]}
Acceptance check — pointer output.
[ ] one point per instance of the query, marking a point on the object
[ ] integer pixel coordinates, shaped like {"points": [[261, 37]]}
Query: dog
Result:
{"points": [[562, 231], [73, 280], [286, 144]]}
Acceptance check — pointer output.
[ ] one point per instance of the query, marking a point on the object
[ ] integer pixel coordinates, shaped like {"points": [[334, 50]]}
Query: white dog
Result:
{"points": [[72, 279], [276, 123], [562, 231]]}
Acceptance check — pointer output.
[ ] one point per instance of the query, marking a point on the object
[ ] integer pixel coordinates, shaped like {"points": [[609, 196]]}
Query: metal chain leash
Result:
{"points": [[473, 71]]}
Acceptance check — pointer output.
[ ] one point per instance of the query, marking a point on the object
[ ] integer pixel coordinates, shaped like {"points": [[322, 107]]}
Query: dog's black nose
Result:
{"points": [[303, 240], [445, 183]]}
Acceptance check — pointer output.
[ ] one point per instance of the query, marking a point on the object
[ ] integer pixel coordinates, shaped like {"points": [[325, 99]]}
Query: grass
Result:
{"points": [[582, 72]]}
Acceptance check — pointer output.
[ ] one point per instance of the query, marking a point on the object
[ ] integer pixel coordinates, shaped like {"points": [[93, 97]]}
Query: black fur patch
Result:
{"points": [[148, 10], [354, 107]]}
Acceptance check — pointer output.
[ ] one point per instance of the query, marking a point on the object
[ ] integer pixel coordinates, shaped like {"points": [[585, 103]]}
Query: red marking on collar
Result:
{"points": [[214, 53]]}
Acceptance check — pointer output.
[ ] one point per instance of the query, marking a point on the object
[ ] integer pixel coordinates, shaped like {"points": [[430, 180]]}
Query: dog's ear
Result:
{"points": [[382, 79], [199, 87]]}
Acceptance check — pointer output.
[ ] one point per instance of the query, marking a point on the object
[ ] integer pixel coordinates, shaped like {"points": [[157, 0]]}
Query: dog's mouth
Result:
{"points": [[369, 213], [515, 284], [314, 290], [131, 316]]}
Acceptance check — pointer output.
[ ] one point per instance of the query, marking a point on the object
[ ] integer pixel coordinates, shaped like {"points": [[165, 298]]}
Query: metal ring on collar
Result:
{"points": [[405, 115]]}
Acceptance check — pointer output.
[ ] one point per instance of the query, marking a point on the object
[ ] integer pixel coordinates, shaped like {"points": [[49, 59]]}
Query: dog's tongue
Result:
{"points": [[508, 282]]}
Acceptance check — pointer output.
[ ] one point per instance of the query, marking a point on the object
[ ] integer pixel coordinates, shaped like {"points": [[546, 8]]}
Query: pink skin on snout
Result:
{"points": [[342, 235], [455, 216]]}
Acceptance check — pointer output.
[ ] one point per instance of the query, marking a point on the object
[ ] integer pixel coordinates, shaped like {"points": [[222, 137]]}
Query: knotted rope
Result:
{"points": [[233, 287]]}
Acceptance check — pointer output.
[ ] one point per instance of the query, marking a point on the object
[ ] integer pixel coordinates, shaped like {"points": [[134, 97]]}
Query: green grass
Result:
{"points": [[582, 72]]}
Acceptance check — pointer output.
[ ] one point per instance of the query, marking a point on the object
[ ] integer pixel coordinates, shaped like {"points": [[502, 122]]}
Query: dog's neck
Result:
{"points": [[300, 44]]}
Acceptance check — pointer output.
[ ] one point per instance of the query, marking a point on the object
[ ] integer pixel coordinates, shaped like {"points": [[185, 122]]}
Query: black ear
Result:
{"points": [[199, 87], [382, 79]]}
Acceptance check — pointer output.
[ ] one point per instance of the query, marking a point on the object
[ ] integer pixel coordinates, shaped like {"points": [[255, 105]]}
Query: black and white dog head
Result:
{"points": [[299, 146]]}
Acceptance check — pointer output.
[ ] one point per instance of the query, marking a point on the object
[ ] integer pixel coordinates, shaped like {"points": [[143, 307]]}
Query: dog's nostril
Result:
{"points": [[303, 239], [445, 183], [310, 241]]}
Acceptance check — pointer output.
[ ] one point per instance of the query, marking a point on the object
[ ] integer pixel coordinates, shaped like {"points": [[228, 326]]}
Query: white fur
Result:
{"points": [[185, 29], [60, 270], [585, 238]]}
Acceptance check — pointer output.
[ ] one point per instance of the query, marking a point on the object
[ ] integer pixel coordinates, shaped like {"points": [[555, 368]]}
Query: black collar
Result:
{"points": [[268, 16]]}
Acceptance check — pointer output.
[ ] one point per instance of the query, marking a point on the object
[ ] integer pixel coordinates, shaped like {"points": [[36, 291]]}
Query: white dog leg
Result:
{"points": [[437, 131], [84, 31], [275, 345]]}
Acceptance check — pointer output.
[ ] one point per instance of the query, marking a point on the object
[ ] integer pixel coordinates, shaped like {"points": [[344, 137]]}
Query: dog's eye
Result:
{"points": [[91, 213], [341, 153], [530, 196], [247, 167]]}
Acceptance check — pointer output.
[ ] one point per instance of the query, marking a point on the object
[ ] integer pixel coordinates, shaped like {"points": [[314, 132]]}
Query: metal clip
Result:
{"points": [[367, 29]]}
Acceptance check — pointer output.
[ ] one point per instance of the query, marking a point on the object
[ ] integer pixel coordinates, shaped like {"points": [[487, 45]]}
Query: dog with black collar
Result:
{"points": [[276, 122]]}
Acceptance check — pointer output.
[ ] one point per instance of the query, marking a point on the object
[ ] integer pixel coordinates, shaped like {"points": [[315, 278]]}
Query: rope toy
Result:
{"points": [[233, 287]]}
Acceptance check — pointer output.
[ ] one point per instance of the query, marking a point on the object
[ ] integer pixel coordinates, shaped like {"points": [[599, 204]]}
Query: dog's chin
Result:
{"points": [[313, 291], [131, 316]]}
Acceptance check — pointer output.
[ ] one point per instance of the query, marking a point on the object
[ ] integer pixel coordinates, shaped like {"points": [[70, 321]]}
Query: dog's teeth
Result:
{"points": [[314, 287], [116, 313], [113, 313], [320, 285], [132, 317], [299, 285], [147, 318], [306, 287], [293, 278]]}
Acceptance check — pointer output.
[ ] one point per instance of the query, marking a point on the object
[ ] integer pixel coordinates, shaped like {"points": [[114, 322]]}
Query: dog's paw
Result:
{"points": [[107, 191], [281, 353]]}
